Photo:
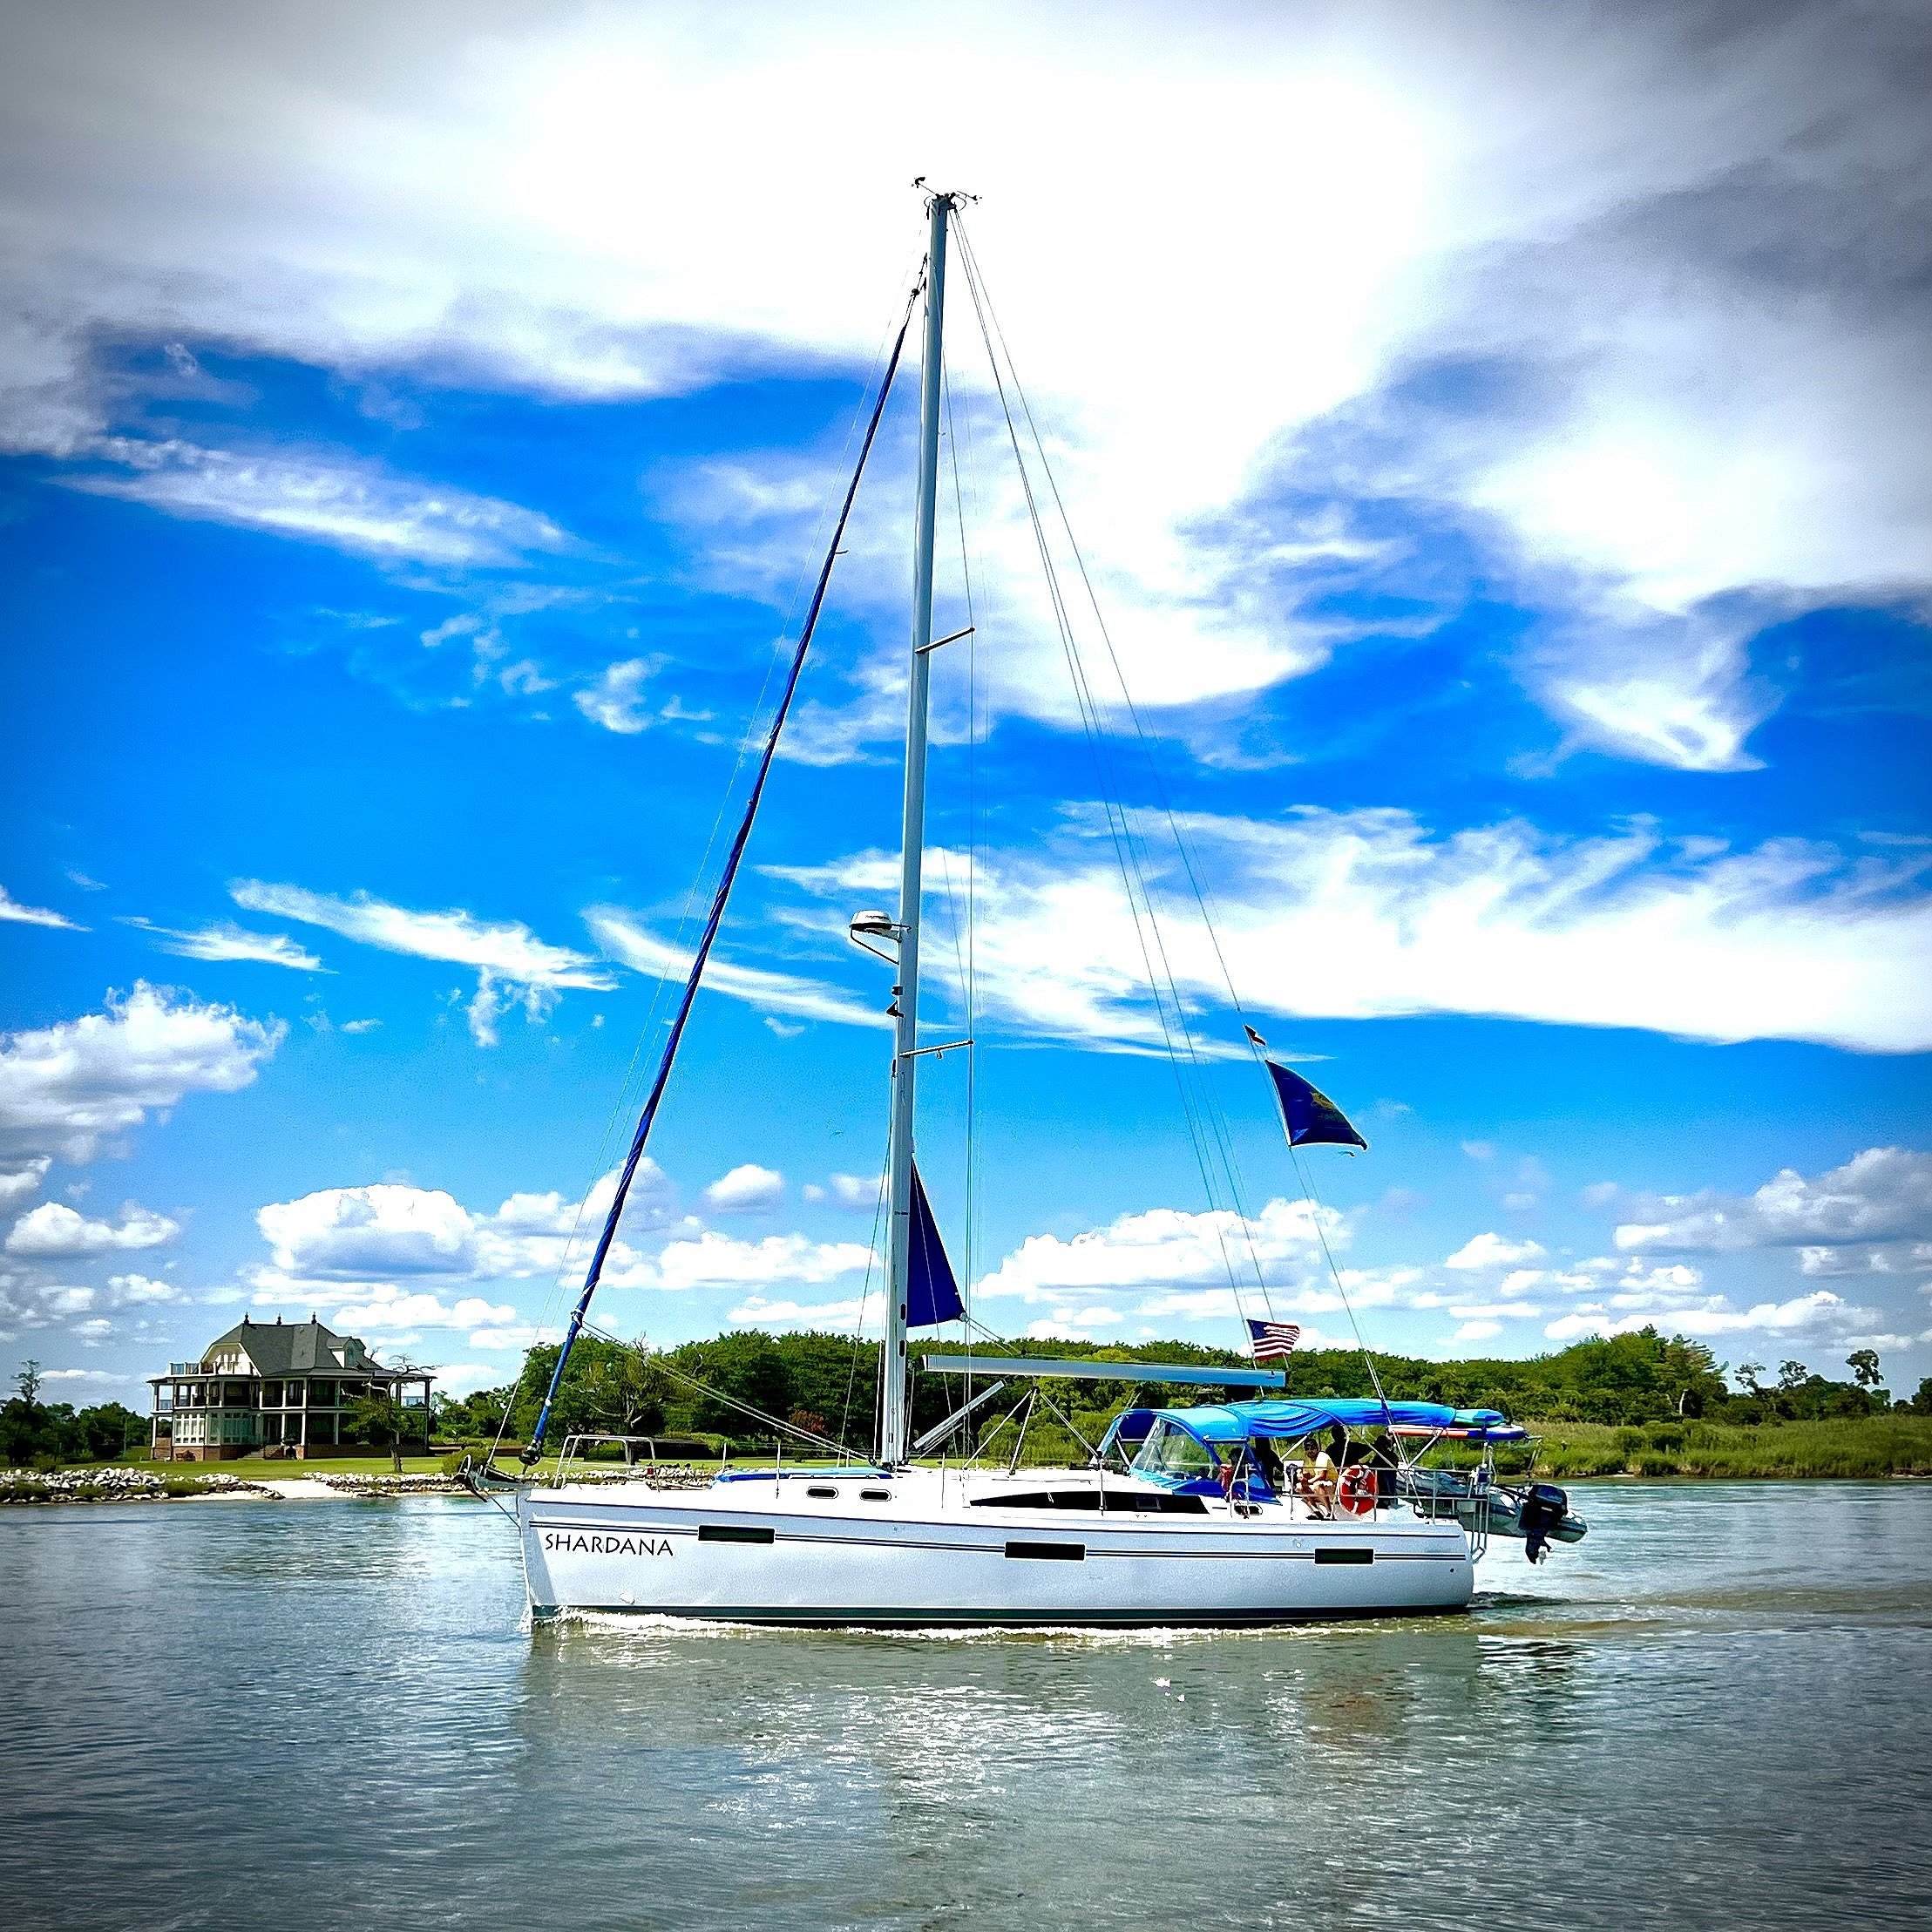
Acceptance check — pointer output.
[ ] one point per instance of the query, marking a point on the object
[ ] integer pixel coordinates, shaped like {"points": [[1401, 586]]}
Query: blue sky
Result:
{"points": [[1510, 516]]}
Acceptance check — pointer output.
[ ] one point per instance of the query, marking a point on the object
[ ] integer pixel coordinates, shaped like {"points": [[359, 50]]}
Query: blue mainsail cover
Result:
{"points": [[932, 1291], [1308, 1113]]}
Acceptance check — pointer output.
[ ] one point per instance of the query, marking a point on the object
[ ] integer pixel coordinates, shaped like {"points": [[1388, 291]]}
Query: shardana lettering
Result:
{"points": [[576, 1542]]}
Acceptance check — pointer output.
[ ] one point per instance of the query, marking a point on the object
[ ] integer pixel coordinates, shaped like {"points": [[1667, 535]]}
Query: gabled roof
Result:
{"points": [[295, 1348]]}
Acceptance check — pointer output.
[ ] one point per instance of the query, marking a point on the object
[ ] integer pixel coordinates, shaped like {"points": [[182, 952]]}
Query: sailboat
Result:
{"points": [[1194, 1516]]}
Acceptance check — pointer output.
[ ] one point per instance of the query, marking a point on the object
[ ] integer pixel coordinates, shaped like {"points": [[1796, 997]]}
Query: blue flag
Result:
{"points": [[1308, 1113], [932, 1291]]}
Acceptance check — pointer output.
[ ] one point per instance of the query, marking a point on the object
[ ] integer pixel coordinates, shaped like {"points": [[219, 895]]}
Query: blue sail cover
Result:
{"points": [[1311, 1117], [932, 1291], [1232, 1422]]}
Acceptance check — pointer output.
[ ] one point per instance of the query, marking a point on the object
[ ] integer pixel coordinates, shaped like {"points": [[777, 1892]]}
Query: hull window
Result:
{"points": [[1050, 1552], [1345, 1555], [733, 1533]]}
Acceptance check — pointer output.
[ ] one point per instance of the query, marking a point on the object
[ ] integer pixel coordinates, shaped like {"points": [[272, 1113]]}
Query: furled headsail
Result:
{"points": [[932, 1289], [1311, 1117]]}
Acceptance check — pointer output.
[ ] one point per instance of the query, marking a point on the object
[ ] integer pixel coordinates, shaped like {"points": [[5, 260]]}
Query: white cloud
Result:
{"points": [[1820, 1311], [846, 1190], [717, 1260], [93, 1378], [518, 1337], [143, 1291], [1368, 914], [508, 954], [420, 1310], [1702, 276], [362, 1234], [616, 700], [11, 908], [1885, 1258], [54, 1231], [746, 1189], [64, 1087], [22, 1183], [836, 1316], [1168, 1247], [1494, 1250], [1477, 1332], [326, 496], [361, 1025], [624, 940], [230, 941], [1883, 1194], [339, 1240]]}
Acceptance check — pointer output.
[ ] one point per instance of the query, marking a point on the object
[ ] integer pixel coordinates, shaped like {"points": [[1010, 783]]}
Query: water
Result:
{"points": [[1712, 1714]]}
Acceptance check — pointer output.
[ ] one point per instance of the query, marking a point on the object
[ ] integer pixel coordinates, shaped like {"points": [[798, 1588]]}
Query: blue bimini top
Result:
{"points": [[1226, 1424]]}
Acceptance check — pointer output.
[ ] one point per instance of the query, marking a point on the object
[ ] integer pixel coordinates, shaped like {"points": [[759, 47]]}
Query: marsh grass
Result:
{"points": [[1864, 1446]]}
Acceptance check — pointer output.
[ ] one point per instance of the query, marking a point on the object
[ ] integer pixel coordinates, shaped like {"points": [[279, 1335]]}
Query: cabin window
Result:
{"points": [[822, 1491], [875, 1495]]}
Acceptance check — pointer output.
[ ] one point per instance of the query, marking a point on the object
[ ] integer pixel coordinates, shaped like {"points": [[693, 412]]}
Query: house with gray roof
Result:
{"points": [[274, 1388]]}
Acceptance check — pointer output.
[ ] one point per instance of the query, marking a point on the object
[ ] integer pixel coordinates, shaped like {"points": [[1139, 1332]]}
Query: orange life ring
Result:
{"points": [[1357, 1491]]}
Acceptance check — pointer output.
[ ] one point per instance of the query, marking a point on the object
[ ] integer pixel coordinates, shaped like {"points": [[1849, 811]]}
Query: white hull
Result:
{"points": [[923, 1554]]}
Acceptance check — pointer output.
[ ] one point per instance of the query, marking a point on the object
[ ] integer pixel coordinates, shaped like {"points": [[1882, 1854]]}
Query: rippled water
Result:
{"points": [[1712, 1714]]}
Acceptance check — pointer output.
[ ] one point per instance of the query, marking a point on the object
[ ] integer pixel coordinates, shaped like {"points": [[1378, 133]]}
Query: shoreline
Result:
{"points": [[27, 1489]]}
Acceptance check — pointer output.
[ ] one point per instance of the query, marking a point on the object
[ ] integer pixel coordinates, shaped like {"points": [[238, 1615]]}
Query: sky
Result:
{"points": [[1492, 442]]}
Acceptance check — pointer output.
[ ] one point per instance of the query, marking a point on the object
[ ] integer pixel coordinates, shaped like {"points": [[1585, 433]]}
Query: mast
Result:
{"points": [[892, 1367]]}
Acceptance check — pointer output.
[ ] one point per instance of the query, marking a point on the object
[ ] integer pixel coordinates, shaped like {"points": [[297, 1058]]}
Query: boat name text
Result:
{"points": [[578, 1543]]}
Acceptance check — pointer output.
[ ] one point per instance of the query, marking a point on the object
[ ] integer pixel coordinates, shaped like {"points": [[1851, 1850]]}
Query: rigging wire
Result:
{"points": [[757, 1414], [1217, 1123], [1199, 1109], [975, 841], [624, 1104], [720, 902], [1146, 741]]}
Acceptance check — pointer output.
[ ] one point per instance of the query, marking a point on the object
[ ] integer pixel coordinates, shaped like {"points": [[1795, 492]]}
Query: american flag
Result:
{"points": [[1269, 1340]]}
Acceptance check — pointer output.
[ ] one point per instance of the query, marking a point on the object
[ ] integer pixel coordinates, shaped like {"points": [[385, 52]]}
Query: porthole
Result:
{"points": [[875, 1495], [822, 1491]]}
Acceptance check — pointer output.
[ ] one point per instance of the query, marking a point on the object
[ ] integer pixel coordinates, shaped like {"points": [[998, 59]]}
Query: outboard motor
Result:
{"points": [[1544, 1507]]}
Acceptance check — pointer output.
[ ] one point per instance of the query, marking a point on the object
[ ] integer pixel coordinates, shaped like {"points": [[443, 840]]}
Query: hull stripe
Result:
{"points": [[534, 1526]]}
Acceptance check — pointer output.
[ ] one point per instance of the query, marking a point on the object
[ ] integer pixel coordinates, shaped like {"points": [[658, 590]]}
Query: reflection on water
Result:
{"points": [[1711, 1713]]}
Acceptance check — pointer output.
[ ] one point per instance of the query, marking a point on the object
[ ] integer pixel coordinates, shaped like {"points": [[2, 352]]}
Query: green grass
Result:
{"points": [[1867, 1446]]}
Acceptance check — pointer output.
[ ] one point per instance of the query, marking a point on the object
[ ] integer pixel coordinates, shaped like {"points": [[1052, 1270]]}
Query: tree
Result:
{"points": [[380, 1414], [1748, 1373], [1792, 1375], [106, 1432], [26, 1378], [1863, 1364]]}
